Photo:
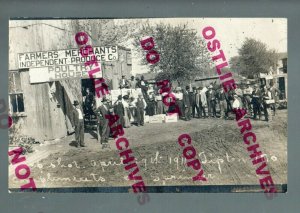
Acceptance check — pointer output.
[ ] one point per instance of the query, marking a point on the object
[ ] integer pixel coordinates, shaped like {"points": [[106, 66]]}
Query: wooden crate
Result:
{"points": [[171, 118], [146, 118], [155, 119]]}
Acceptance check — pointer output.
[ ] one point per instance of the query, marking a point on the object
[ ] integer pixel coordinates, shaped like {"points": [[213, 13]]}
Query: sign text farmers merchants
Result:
{"points": [[64, 57]]}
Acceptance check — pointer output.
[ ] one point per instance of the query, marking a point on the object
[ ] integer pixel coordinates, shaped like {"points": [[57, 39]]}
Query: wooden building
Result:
{"points": [[43, 110]]}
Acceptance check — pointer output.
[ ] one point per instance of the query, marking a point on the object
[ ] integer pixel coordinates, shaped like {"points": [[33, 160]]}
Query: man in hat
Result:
{"points": [[265, 97], [159, 103], [88, 103], [193, 102], [256, 101], [102, 123], [198, 103], [124, 83], [203, 100], [140, 108], [223, 100], [78, 122], [247, 95], [239, 92], [187, 104], [275, 93], [211, 101], [179, 97], [143, 84], [132, 82], [236, 102]]}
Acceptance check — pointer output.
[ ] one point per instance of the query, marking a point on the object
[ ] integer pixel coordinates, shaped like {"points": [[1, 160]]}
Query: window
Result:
{"points": [[284, 65], [16, 98], [128, 57]]}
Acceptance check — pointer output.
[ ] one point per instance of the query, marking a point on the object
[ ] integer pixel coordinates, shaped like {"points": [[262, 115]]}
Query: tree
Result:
{"points": [[254, 58], [183, 54], [235, 64], [105, 32]]}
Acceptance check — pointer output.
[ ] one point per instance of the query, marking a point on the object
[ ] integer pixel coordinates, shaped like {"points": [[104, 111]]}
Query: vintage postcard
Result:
{"points": [[148, 105]]}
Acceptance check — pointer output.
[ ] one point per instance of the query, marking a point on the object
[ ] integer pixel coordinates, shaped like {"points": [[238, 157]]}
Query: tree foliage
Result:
{"points": [[183, 55], [254, 58], [105, 32]]}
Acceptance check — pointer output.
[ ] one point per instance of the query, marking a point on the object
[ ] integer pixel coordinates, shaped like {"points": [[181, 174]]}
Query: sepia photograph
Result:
{"points": [[148, 105]]}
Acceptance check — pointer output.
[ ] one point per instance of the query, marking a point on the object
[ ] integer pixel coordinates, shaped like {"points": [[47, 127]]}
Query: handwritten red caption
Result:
{"points": [[249, 138], [5, 116], [165, 90], [189, 153], [101, 88], [148, 45], [118, 130], [126, 153], [22, 167]]}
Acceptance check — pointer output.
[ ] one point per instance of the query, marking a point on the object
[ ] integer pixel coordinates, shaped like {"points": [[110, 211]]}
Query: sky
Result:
{"points": [[231, 32]]}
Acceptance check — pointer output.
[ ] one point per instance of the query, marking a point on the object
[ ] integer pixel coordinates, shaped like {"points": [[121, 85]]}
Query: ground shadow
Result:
{"points": [[73, 143], [91, 132]]}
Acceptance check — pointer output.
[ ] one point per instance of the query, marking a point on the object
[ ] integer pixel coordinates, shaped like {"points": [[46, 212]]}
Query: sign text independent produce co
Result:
{"points": [[64, 57]]}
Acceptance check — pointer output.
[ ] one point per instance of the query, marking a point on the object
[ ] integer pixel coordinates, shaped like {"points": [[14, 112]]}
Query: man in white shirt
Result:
{"points": [[236, 103], [123, 83], [179, 97], [248, 90], [248, 97], [141, 105], [132, 82], [78, 121]]}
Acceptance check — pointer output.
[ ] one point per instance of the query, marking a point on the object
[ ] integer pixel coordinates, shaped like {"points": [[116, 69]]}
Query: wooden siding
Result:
{"points": [[44, 119]]}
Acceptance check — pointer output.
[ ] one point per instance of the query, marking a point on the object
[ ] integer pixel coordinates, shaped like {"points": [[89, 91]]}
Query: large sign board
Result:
{"points": [[64, 57], [60, 72]]}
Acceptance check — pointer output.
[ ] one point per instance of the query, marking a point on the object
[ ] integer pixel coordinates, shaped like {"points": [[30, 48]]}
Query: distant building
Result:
{"points": [[281, 78], [278, 77], [282, 64]]}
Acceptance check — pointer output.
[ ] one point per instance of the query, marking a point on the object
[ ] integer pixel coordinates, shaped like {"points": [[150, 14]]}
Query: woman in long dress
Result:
{"points": [[159, 103], [126, 111], [151, 105]]}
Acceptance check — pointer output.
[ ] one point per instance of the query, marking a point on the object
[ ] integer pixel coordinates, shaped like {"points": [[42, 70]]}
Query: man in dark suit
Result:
{"points": [[102, 122], [193, 102], [140, 104], [78, 122], [223, 100], [199, 107], [187, 104], [143, 84], [211, 99], [256, 101], [124, 83]]}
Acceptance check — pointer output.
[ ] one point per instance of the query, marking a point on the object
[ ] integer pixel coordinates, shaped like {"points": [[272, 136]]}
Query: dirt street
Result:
{"points": [[218, 143]]}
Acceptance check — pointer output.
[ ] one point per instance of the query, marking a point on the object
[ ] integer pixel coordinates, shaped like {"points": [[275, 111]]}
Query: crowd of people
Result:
{"points": [[208, 101]]}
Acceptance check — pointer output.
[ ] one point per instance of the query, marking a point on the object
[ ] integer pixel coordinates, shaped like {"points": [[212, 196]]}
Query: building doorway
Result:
{"points": [[88, 102], [281, 82]]}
